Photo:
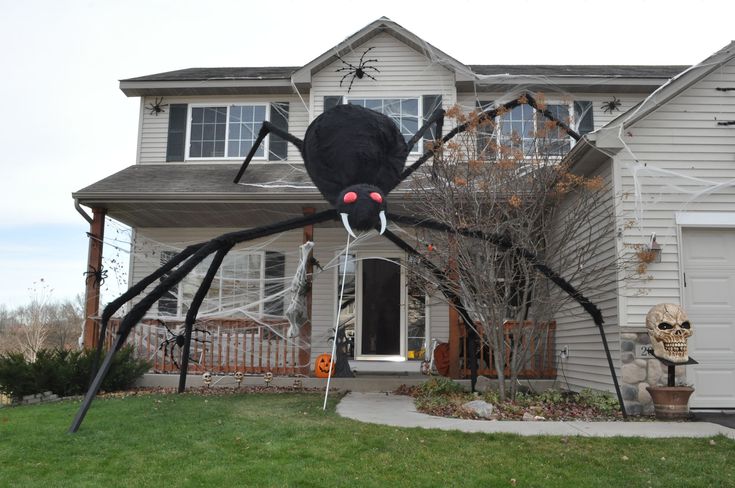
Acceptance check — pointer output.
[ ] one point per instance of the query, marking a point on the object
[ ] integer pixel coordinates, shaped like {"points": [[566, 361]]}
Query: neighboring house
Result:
{"points": [[672, 161], [197, 124]]}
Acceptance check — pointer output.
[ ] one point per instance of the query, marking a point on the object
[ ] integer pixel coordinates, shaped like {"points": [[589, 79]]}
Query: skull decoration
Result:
{"points": [[669, 328], [268, 377], [207, 378], [238, 377]]}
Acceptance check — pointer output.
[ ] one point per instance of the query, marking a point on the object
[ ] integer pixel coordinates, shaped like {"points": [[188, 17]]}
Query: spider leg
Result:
{"points": [[369, 76], [191, 315], [195, 254], [370, 67], [505, 244], [266, 129], [364, 53], [345, 76], [436, 118], [351, 82]]}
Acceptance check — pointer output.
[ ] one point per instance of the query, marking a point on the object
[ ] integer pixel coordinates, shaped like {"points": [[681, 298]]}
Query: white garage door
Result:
{"points": [[709, 299]]}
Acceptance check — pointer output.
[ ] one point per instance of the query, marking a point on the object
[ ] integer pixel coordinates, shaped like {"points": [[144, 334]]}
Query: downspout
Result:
{"points": [[82, 212]]}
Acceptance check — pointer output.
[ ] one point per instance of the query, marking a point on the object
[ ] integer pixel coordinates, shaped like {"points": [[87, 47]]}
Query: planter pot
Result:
{"points": [[671, 402]]}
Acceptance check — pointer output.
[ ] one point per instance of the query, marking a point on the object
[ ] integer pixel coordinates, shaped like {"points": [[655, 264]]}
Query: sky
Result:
{"points": [[67, 124]]}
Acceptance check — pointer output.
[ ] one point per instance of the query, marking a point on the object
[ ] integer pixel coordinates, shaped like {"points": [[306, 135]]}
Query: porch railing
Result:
{"points": [[232, 345], [540, 362]]}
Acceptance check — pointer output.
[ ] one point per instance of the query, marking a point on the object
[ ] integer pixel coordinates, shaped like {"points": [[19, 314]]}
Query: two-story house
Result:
{"points": [[196, 125]]}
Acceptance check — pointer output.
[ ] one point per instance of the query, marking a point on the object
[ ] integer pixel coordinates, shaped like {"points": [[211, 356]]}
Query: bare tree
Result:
{"points": [[514, 188]]}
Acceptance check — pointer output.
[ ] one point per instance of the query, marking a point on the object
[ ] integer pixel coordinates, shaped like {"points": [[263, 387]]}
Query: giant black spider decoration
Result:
{"points": [[611, 106], [358, 71], [178, 339], [98, 275], [157, 107], [355, 157]]}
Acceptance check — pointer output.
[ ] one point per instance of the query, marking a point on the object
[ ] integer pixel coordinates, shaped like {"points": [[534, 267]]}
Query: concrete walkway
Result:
{"points": [[399, 411]]}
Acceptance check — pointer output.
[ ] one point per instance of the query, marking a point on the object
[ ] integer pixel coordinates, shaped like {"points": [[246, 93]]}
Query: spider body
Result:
{"points": [[355, 157], [156, 107], [611, 106], [359, 71], [177, 339]]}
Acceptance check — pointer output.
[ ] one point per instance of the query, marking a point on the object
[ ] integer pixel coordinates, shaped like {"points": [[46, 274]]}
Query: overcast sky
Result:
{"points": [[67, 124]]}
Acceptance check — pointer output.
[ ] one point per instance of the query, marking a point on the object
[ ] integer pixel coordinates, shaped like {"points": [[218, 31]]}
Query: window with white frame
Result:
{"points": [[237, 288], [527, 129], [404, 112], [225, 131]]}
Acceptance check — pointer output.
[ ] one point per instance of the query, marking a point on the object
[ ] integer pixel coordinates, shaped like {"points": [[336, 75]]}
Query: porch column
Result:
{"points": [[92, 284], [454, 325], [305, 333]]}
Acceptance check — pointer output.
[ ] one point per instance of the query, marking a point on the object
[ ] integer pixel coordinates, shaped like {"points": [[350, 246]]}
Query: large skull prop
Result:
{"points": [[669, 328]]}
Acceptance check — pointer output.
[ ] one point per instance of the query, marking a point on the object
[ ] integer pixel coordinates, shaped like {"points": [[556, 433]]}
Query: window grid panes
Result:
{"points": [[228, 131], [403, 111], [245, 122], [526, 129], [237, 287]]}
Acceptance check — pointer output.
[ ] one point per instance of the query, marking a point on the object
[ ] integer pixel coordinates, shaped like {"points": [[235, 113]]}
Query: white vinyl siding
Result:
{"points": [[586, 366], [154, 129], [682, 139]]}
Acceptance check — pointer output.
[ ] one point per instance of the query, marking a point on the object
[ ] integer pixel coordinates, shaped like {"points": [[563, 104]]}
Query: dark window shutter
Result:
{"points": [[275, 270], [583, 117], [279, 118], [430, 104], [485, 132], [176, 145], [332, 101]]}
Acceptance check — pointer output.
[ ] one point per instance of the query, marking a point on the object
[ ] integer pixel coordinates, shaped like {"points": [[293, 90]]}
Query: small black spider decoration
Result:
{"points": [[99, 275], [611, 106], [358, 71], [178, 339], [157, 107]]}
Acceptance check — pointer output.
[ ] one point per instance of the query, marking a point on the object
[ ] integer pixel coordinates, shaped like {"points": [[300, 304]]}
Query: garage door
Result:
{"points": [[709, 298]]}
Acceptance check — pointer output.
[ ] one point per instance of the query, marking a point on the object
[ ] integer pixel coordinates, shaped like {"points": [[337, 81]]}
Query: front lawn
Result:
{"points": [[261, 439]]}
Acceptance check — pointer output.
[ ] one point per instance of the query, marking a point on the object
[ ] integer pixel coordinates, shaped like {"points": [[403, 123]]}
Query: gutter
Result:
{"points": [[82, 212]]}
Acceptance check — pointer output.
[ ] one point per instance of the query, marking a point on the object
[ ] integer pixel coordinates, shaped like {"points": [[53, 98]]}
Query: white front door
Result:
{"points": [[709, 298]]}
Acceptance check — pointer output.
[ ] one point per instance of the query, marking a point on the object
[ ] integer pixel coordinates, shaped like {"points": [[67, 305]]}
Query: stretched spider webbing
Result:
{"points": [[296, 312]]}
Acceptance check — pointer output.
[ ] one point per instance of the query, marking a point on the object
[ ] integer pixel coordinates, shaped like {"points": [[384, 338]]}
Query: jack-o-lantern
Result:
{"points": [[324, 366]]}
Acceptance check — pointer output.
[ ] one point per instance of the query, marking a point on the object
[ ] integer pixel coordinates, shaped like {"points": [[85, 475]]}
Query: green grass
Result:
{"points": [[286, 440]]}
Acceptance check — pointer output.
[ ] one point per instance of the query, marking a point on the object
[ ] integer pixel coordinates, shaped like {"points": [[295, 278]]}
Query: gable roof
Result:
{"points": [[282, 79]]}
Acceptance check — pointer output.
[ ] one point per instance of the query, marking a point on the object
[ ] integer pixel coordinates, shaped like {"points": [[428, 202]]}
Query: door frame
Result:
{"points": [[359, 257]]}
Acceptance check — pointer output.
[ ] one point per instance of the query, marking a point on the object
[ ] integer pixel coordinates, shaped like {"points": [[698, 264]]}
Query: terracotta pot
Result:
{"points": [[671, 402]]}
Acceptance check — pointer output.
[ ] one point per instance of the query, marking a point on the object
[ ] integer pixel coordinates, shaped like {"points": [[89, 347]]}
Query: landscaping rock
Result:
{"points": [[480, 408]]}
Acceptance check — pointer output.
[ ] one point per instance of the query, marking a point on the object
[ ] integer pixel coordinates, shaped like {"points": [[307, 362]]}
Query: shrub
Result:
{"points": [[65, 372], [440, 386]]}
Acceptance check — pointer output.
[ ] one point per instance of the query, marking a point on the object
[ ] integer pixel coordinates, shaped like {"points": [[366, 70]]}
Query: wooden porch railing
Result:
{"points": [[541, 360], [232, 345]]}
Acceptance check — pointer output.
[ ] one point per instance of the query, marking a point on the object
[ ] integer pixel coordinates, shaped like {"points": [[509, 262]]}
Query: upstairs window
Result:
{"points": [[225, 131], [527, 129], [404, 112]]}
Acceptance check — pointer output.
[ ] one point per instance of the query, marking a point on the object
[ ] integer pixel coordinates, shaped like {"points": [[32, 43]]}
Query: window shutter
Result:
{"points": [[584, 118], [176, 145], [332, 101], [485, 132], [275, 270], [278, 147], [430, 104]]}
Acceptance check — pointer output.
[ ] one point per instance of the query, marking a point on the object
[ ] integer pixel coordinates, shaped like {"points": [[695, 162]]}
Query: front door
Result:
{"points": [[380, 330], [708, 261]]}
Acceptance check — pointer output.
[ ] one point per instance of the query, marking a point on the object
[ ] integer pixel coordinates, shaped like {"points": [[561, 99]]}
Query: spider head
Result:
{"points": [[359, 73], [362, 207]]}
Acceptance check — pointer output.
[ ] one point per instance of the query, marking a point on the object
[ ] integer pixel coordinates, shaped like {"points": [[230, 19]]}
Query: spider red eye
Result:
{"points": [[350, 197], [377, 197]]}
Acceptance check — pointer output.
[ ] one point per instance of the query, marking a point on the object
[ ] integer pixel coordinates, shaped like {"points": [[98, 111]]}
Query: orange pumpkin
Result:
{"points": [[323, 366]]}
